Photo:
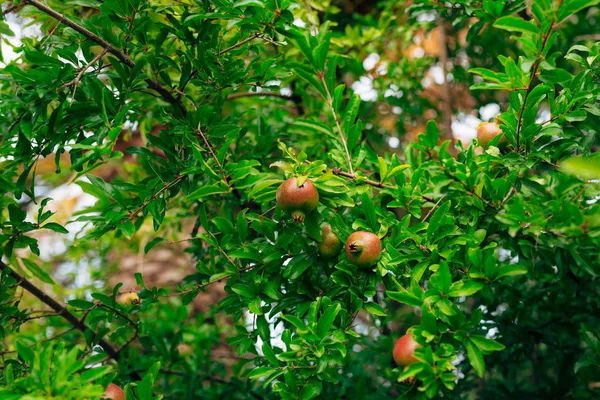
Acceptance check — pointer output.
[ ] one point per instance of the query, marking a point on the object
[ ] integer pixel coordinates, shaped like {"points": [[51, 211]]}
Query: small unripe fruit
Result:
{"points": [[486, 131], [184, 349], [297, 200], [114, 392], [128, 299], [330, 245], [404, 350], [363, 249]]}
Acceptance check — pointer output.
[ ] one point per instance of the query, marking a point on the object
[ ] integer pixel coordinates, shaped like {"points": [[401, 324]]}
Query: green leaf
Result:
{"points": [[405, 297], [5, 30], [152, 243], [369, 209], [313, 125], [242, 3], [570, 7], [516, 24], [444, 277], [375, 309], [94, 373], [25, 352], [475, 358], [486, 344], [586, 168], [297, 266], [351, 112], [37, 271], [311, 78], [462, 288], [208, 190], [311, 390], [511, 270], [270, 354], [244, 290], [297, 322], [80, 304], [261, 372], [53, 226], [326, 320]]}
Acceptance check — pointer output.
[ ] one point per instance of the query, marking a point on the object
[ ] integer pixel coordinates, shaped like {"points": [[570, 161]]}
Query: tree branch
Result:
{"points": [[447, 102], [155, 85], [60, 310]]}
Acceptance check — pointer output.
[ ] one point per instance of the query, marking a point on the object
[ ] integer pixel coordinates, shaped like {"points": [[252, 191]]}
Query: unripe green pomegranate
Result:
{"points": [[297, 200], [363, 249], [330, 245], [486, 131], [114, 392], [404, 350]]}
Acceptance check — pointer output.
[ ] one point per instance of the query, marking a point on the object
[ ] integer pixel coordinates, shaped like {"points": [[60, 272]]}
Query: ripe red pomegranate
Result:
{"points": [[404, 350], [486, 131], [330, 245], [363, 249], [297, 200], [114, 392]]}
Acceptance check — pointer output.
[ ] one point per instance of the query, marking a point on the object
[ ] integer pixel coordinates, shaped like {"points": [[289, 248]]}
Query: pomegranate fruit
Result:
{"points": [[486, 131], [330, 245], [363, 249], [114, 392], [404, 350], [297, 199]]}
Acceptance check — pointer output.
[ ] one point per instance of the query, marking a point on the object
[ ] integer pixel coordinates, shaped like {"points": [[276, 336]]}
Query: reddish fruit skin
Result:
{"points": [[331, 244], [486, 131], [114, 392], [297, 200], [404, 350], [363, 249]]}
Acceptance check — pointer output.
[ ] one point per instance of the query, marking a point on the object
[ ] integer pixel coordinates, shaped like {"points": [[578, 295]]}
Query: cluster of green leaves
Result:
{"points": [[11, 316], [482, 251], [48, 370]]}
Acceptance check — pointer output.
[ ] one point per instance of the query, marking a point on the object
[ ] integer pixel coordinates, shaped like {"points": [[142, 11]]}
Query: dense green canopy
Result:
{"points": [[142, 144]]}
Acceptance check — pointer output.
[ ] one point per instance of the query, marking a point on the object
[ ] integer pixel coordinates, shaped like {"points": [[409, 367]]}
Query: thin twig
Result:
{"points": [[155, 195], [337, 122], [75, 82], [16, 121], [534, 73], [41, 316], [432, 208], [50, 34], [241, 43], [12, 8], [338, 171], [129, 320], [128, 36], [201, 286], [210, 150], [233, 96]]}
